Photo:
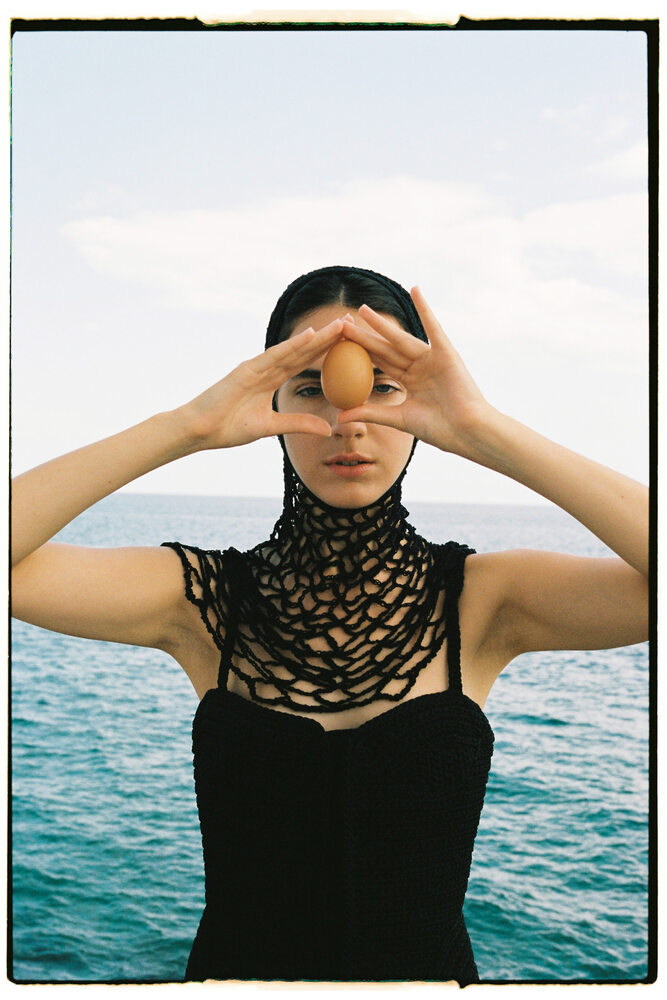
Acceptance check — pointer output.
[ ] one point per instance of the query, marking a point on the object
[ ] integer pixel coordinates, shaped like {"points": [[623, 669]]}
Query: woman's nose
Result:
{"points": [[351, 429]]}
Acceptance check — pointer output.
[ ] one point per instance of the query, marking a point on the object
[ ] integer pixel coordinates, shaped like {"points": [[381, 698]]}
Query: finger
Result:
{"points": [[388, 416], [320, 343], [433, 328], [285, 359], [394, 333], [300, 423], [307, 344], [307, 340], [378, 347]]}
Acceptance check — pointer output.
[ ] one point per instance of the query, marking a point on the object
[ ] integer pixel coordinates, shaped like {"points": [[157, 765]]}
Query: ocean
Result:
{"points": [[107, 872]]}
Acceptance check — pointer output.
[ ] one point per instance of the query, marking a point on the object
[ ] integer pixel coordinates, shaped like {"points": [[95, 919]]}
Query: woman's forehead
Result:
{"points": [[319, 317]]}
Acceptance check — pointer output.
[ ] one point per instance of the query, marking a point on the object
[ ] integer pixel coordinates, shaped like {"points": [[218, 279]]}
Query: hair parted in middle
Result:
{"points": [[348, 286]]}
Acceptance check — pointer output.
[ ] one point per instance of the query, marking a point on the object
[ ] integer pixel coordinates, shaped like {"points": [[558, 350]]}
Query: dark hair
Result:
{"points": [[347, 286]]}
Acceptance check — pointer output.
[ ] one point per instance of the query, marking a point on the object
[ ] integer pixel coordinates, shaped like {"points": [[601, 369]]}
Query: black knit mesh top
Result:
{"points": [[342, 854]]}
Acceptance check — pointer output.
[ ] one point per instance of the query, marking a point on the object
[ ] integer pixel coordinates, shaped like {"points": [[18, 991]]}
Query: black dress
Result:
{"points": [[342, 854]]}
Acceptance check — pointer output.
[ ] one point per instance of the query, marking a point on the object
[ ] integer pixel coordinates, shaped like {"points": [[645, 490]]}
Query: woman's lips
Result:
{"points": [[349, 466], [350, 471]]}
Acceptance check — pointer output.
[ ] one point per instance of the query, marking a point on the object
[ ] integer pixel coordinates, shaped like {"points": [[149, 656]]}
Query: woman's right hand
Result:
{"points": [[136, 595], [239, 408]]}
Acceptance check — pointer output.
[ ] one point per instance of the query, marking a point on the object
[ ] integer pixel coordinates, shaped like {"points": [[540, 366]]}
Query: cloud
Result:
{"points": [[609, 233], [216, 259], [630, 164], [565, 270]]}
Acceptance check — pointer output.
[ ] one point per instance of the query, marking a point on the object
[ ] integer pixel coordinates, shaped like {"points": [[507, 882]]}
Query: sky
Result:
{"points": [[166, 187]]}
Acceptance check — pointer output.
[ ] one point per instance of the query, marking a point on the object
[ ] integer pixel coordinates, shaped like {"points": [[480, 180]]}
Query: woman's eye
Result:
{"points": [[313, 391]]}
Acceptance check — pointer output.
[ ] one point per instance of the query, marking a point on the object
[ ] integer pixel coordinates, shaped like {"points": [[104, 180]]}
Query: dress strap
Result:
{"points": [[453, 588], [231, 624], [223, 669]]}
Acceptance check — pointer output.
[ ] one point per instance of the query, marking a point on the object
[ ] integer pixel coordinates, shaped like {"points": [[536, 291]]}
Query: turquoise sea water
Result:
{"points": [[106, 850]]}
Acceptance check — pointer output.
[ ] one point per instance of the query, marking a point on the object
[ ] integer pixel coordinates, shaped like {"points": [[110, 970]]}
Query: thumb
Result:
{"points": [[388, 416], [300, 423]]}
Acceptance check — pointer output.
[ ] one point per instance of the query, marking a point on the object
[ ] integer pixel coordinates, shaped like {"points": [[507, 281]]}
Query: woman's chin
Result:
{"points": [[347, 492]]}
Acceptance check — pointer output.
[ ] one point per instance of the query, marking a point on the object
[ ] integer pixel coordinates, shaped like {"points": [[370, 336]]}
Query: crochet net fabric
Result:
{"points": [[339, 607], [336, 609]]}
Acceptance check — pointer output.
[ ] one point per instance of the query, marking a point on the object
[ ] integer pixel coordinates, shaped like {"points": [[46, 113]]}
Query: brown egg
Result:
{"points": [[347, 375]]}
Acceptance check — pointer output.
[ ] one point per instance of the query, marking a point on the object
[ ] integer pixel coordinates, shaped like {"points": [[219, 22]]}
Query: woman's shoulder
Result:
{"points": [[205, 611], [207, 572], [483, 646], [487, 578], [194, 555], [189, 547]]}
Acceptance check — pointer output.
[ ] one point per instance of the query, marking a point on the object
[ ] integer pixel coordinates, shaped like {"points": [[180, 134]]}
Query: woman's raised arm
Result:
{"points": [[531, 600], [48, 497], [136, 595]]}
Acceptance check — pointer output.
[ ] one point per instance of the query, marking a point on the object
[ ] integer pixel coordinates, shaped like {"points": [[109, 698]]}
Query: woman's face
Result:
{"points": [[322, 463]]}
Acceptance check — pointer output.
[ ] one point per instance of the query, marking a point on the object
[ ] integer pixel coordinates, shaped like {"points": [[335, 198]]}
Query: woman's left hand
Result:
{"points": [[444, 407], [532, 600]]}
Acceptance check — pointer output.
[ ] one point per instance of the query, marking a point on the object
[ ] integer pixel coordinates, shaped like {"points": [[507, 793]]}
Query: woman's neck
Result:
{"points": [[308, 524]]}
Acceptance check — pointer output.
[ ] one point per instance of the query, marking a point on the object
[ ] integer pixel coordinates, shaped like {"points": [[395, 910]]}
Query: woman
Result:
{"points": [[341, 749]]}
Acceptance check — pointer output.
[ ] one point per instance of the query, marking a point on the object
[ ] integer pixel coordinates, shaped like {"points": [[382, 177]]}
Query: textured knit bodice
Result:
{"points": [[341, 854]]}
